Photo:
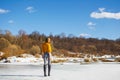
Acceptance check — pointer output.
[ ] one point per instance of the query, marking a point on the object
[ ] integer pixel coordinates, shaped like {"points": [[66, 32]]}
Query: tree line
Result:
{"points": [[14, 45]]}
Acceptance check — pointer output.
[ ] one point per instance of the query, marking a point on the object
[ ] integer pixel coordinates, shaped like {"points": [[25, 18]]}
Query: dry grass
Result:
{"points": [[37, 55], [105, 60], [87, 60], [117, 60], [58, 61], [95, 59]]}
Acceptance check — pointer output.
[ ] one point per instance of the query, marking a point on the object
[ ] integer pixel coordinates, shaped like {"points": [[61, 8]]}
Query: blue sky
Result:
{"points": [[86, 18]]}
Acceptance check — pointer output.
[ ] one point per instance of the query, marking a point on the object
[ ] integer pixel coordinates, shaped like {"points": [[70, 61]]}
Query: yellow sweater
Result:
{"points": [[46, 47]]}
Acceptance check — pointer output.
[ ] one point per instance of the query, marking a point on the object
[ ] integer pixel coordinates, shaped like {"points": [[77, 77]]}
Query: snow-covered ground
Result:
{"points": [[28, 67], [27, 58], [66, 71]]}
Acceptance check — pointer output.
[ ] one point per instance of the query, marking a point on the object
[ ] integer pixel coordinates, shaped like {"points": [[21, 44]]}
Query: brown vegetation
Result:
{"points": [[117, 60], [24, 43], [58, 61], [105, 60]]}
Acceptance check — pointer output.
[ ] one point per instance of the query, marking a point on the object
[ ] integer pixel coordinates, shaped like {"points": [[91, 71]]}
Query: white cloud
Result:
{"points": [[101, 9], [91, 24], [3, 11], [10, 21], [30, 9], [104, 14], [85, 35]]}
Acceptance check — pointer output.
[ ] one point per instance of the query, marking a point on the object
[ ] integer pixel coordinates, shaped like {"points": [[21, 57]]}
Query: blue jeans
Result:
{"points": [[47, 60]]}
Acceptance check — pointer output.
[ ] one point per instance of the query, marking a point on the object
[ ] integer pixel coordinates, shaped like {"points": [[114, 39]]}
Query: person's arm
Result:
{"points": [[42, 50], [49, 48]]}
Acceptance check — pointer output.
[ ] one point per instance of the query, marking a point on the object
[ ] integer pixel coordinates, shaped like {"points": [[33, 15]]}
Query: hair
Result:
{"points": [[46, 40]]}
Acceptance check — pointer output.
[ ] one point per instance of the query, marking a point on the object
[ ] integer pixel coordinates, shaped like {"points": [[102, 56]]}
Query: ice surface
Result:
{"points": [[68, 71]]}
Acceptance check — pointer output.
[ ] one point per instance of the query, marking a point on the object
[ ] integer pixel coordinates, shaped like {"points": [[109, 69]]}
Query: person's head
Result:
{"points": [[47, 39]]}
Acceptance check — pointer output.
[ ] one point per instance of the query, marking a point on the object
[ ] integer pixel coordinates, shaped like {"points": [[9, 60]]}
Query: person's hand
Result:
{"points": [[42, 56], [51, 57]]}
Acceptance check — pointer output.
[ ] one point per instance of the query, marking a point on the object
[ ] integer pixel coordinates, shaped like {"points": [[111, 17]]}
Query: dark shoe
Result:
{"points": [[45, 70], [48, 74], [45, 75], [49, 69]]}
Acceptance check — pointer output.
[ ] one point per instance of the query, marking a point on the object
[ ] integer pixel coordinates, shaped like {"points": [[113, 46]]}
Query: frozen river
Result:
{"points": [[71, 71]]}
